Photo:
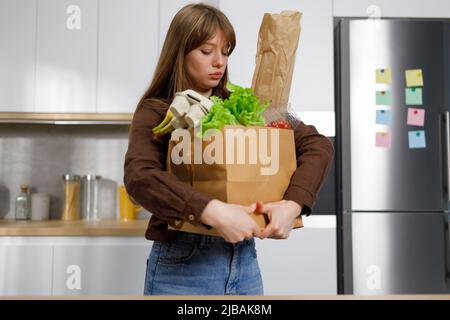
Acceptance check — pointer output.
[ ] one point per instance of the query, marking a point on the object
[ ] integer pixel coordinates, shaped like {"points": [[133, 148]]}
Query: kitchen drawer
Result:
{"points": [[25, 270], [99, 269]]}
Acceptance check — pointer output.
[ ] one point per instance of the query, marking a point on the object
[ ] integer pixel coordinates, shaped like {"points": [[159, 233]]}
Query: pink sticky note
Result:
{"points": [[383, 139], [416, 117]]}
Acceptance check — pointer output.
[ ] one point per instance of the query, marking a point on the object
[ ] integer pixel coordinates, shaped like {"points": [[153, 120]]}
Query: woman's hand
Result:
{"points": [[282, 215], [232, 221]]}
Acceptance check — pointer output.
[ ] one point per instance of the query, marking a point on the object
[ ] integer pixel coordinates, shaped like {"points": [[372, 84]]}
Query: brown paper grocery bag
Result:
{"points": [[275, 56], [243, 179]]}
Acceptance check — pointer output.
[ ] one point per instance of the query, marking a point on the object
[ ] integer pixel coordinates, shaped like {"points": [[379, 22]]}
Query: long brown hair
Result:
{"points": [[192, 25]]}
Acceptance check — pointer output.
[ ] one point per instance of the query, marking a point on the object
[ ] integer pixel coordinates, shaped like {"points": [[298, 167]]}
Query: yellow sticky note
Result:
{"points": [[383, 75], [414, 78]]}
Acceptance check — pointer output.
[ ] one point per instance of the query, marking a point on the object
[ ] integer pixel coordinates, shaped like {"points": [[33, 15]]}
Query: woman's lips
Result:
{"points": [[216, 75]]}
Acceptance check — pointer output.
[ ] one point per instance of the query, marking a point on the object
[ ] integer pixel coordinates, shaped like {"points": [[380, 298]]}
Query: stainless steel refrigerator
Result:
{"points": [[392, 107]]}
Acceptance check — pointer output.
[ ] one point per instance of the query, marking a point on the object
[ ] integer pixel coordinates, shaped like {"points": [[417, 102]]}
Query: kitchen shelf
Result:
{"points": [[66, 118], [73, 228]]}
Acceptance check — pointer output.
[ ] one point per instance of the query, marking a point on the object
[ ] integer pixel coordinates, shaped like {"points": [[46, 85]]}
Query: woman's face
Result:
{"points": [[206, 64]]}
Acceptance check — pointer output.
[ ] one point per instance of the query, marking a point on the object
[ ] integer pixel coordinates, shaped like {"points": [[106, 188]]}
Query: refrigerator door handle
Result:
{"points": [[447, 251], [446, 151]]}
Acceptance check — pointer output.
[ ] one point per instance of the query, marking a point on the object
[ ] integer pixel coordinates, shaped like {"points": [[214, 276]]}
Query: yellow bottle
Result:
{"points": [[128, 209]]}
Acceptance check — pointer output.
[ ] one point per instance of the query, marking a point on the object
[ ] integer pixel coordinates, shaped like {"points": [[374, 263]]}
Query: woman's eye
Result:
{"points": [[205, 51]]}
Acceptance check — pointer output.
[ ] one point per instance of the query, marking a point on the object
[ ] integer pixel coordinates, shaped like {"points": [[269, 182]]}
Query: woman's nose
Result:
{"points": [[219, 60]]}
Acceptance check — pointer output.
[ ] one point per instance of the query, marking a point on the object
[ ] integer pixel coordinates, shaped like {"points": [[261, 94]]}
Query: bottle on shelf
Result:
{"points": [[23, 203]]}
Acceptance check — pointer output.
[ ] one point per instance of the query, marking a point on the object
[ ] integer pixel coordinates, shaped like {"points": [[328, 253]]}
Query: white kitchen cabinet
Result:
{"points": [[17, 54], [313, 79], [304, 264], [25, 270], [388, 8], [46, 266], [127, 52], [99, 269], [66, 67]]}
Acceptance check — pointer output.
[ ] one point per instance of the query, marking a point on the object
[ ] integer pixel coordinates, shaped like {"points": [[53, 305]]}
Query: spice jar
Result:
{"points": [[71, 184], [23, 203]]}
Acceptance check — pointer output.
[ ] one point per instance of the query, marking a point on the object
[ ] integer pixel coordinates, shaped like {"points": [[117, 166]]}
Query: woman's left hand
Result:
{"points": [[282, 215]]}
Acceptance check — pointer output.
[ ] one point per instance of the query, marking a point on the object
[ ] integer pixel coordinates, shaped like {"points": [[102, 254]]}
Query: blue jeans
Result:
{"points": [[203, 265]]}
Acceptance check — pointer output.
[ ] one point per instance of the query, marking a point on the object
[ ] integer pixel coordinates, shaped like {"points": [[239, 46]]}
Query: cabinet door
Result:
{"points": [[25, 270], [99, 269], [17, 54], [313, 80], [304, 264], [66, 70], [128, 52]]}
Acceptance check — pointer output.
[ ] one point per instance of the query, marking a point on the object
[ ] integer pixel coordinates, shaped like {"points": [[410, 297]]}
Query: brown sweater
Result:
{"points": [[167, 198]]}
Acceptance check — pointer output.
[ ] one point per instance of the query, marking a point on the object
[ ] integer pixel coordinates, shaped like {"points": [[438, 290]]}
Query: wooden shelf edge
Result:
{"points": [[135, 228], [30, 116]]}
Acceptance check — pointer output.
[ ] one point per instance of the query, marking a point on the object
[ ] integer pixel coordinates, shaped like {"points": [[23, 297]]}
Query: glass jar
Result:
{"points": [[23, 203], [71, 185], [89, 197], [40, 206]]}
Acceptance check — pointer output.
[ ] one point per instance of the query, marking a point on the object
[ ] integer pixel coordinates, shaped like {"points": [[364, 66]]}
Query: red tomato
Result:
{"points": [[281, 124], [285, 125]]}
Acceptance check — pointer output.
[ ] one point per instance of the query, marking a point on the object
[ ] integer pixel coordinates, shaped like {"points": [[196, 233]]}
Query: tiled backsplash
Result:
{"points": [[39, 154]]}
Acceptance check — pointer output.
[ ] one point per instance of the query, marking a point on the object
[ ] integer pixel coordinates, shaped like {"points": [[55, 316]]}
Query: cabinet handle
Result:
{"points": [[446, 153]]}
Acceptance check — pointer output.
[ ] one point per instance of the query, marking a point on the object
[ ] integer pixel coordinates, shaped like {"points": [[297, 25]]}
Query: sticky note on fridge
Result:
{"points": [[416, 117], [383, 117], [413, 96], [414, 78], [383, 139], [383, 75], [383, 97], [416, 139]]}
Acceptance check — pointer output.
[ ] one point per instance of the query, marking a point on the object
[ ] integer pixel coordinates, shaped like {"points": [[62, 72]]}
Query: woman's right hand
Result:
{"points": [[232, 221]]}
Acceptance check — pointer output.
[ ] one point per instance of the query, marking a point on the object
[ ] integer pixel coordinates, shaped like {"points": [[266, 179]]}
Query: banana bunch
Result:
{"points": [[186, 111]]}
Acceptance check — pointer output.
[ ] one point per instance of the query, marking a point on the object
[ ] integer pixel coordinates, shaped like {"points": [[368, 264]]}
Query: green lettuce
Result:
{"points": [[242, 107]]}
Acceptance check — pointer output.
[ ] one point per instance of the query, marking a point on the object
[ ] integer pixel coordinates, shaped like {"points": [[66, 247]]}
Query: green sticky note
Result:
{"points": [[413, 96], [414, 78], [383, 75], [383, 97]]}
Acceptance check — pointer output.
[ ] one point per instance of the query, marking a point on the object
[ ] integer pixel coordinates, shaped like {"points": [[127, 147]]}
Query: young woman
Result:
{"points": [[195, 56]]}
